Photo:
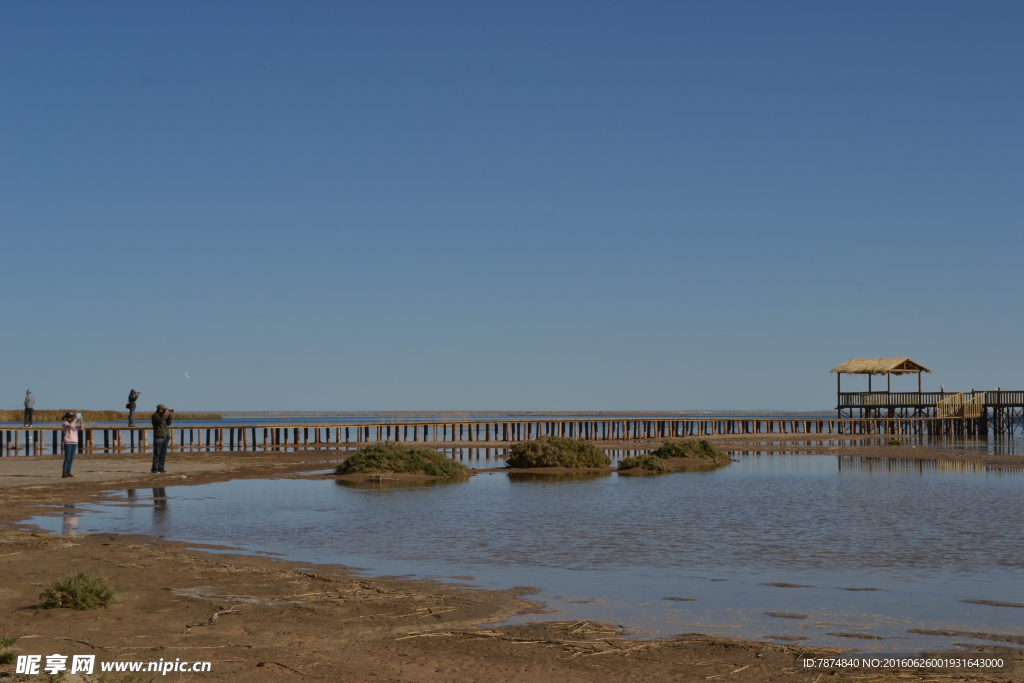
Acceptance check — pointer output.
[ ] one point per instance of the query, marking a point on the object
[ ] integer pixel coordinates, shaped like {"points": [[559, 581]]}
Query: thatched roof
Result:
{"points": [[880, 366]]}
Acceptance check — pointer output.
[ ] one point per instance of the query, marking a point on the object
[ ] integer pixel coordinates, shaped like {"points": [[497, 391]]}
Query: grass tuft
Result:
{"points": [[690, 448], [77, 591], [6, 655], [645, 462], [390, 456], [557, 451]]}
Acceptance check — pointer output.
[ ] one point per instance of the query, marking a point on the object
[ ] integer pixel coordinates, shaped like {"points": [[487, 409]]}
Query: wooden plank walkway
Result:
{"points": [[226, 437]]}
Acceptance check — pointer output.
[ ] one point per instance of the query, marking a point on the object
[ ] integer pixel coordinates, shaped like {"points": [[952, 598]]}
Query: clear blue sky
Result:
{"points": [[521, 205]]}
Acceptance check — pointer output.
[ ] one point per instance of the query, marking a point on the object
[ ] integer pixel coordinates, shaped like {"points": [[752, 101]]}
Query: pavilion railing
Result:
{"points": [[927, 399], [952, 406], [974, 407], [885, 399], [1000, 398]]}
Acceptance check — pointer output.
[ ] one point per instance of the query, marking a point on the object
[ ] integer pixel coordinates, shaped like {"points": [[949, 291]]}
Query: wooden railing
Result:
{"points": [[951, 406], [912, 399], [486, 433], [1001, 399], [884, 399], [974, 407]]}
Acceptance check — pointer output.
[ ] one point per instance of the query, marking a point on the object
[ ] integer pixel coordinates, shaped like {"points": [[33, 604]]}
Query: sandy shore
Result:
{"points": [[283, 620]]}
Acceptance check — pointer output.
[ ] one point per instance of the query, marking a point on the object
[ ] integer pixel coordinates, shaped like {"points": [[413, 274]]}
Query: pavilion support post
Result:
{"points": [[839, 403]]}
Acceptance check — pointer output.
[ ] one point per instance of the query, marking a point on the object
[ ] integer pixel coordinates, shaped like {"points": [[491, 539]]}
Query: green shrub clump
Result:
{"points": [[6, 654], [645, 462], [390, 456], [690, 448], [77, 591], [557, 451]]}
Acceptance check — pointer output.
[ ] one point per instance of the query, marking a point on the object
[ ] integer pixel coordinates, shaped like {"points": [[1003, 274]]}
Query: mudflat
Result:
{"points": [[257, 618]]}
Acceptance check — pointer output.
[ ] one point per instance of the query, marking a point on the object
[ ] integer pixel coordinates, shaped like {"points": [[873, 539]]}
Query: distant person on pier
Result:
{"points": [[70, 429], [30, 407], [133, 396], [161, 437]]}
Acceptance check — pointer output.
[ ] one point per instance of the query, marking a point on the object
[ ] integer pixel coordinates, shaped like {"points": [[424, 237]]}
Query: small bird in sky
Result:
{"points": [[186, 375]]}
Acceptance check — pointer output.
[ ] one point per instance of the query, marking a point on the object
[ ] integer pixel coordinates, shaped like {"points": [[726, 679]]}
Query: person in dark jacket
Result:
{"points": [[161, 437], [30, 407], [133, 396]]}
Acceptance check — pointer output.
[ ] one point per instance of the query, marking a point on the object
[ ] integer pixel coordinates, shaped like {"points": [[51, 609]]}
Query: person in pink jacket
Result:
{"points": [[70, 429]]}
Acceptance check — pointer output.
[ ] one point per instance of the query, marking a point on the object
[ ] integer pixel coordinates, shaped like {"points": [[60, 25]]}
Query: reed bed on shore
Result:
{"points": [[391, 456], [557, 451], [97, 415], [690, 448]]}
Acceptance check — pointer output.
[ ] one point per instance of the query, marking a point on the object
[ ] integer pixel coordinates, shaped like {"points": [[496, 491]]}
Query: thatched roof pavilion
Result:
{"points": [[880, 366]]}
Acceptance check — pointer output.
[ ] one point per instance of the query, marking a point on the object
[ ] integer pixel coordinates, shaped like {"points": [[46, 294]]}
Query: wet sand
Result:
{"points": [[281, 619]]}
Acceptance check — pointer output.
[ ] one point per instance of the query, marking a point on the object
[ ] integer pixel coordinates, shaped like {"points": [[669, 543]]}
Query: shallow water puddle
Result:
{"points": [[882, 556]]}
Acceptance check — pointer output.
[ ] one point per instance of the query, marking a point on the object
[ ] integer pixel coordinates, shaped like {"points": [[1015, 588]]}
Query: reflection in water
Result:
{"points": [[486, 458], [396, 483], [865, 442], [917, 465], [159, 504], [70, 525], [131, 494], [556, 476], [995, 445]]}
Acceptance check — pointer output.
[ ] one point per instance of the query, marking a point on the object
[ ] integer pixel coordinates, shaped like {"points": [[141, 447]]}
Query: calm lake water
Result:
{"points": [[610, 547]]}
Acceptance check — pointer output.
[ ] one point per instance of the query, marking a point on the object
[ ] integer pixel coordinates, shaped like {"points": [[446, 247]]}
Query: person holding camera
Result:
{"points": [[161, 437], [70, 427], [133, 396]]}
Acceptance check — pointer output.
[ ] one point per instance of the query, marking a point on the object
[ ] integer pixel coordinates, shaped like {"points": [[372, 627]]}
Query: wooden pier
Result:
{"points": [[226, 437], [872, 413], [998, 411]]}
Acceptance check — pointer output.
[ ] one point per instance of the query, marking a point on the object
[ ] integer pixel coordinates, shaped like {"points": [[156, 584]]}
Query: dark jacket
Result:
{"points": [[131, 399], [161, 425]]}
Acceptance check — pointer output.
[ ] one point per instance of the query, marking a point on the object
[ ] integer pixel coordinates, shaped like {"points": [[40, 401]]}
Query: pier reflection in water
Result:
{"points": [[486, 458], [993, 446], [736, 547]]}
